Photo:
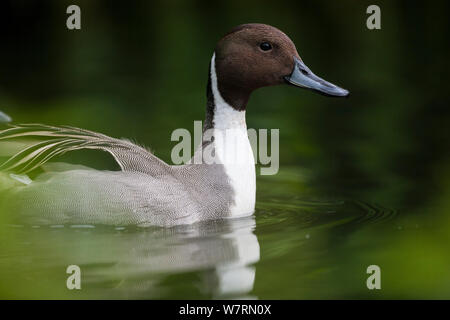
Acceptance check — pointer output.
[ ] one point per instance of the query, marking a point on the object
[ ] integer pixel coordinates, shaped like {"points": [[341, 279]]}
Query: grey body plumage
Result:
{"points": [[146, 192], [121, 198]]}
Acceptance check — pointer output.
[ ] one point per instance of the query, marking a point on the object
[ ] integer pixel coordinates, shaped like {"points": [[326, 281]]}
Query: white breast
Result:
{"points": [[232, 149]]}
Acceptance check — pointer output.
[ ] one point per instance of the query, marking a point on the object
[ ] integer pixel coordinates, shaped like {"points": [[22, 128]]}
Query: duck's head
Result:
{"points": [[252, 56]]}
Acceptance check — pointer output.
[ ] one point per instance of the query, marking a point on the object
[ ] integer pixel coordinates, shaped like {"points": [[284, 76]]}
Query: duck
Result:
{"points": [[146, 191]]}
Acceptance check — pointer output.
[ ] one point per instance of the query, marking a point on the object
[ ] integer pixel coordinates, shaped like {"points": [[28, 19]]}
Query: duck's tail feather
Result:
{"points": [[54, 141]]}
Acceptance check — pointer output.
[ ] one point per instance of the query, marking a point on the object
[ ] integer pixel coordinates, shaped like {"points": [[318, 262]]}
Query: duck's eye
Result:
{"points": [[265, 46]]}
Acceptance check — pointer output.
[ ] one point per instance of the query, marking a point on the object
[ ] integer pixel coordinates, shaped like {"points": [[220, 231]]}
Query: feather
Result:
{"points": [[59, 140]]}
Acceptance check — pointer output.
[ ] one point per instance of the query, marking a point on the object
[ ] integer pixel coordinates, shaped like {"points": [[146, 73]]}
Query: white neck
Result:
{"points": [[233, 150], [225, 116]]}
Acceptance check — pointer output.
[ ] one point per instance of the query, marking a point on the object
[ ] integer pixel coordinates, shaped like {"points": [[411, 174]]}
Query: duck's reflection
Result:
{"points": [[210, 259]]}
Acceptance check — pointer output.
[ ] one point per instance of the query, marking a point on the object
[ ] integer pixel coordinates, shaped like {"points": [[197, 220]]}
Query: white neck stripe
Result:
{"points": [[225, 116]]}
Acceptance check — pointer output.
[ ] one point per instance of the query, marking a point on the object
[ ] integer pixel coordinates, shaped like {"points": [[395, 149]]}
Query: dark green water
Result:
{"points": [[296, 246]]}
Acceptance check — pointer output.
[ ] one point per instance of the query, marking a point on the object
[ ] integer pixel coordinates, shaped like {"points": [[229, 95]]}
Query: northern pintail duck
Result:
{"points": [[147, 191]]}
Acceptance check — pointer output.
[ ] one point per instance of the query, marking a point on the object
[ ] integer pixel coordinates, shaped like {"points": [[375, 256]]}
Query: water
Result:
{"points": [[296, 246]]}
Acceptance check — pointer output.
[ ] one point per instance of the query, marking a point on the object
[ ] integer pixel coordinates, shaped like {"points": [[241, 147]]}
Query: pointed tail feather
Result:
{"points": [[59, 140]]}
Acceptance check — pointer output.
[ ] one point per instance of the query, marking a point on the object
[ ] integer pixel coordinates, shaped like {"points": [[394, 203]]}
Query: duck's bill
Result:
{"points": [[303, 77]]}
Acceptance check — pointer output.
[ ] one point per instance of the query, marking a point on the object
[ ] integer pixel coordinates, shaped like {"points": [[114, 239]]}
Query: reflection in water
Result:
{"points": [[211, 259], [309, 250], [138, 263]]}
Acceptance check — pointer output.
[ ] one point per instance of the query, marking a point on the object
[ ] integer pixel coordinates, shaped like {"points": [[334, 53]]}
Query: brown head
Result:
{"points": [[252, 56]]}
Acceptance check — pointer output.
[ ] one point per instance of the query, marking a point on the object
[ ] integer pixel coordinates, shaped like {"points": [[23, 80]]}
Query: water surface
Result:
{"points": [[297, 246]]}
